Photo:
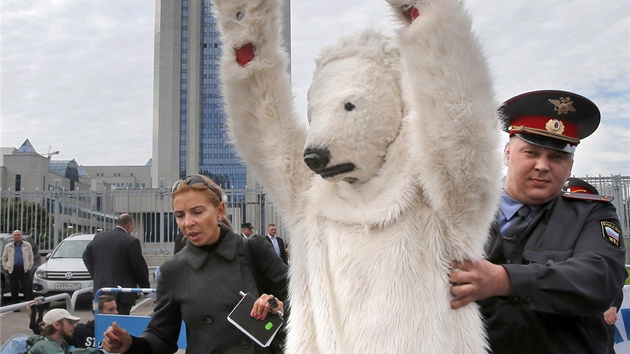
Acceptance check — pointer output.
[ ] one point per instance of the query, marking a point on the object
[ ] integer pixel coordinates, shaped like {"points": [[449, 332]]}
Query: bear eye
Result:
{"points": [[348, 106]]}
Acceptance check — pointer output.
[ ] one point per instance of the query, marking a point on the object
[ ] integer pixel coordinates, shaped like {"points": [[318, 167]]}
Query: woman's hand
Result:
{"points": [[262, 306], [116, 339]]}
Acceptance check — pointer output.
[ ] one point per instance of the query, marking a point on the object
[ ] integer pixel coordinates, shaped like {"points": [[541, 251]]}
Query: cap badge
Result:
{"points": [[563, 106], [554, 126]]}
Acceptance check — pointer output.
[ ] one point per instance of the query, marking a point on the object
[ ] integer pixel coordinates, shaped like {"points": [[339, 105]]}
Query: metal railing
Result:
{"points": [[71, 301], [50, 216], [22, 305]]}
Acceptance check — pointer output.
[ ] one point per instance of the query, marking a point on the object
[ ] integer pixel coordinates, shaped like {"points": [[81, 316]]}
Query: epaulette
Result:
{"points": [[587, 196]]}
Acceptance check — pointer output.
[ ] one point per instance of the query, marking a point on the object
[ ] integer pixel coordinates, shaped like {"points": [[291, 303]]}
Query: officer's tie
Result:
{"points": [[515, 231]]}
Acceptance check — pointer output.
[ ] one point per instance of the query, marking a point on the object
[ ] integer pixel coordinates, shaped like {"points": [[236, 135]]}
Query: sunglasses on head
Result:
{"points": [[192, 180]]}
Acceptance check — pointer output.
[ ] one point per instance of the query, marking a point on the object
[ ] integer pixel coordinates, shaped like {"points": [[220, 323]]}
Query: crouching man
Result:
{"points": [[57, 327]]}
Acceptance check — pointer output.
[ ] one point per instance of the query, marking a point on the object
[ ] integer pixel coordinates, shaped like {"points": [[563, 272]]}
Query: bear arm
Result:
{"points": [[454, 124], [258, 100]]}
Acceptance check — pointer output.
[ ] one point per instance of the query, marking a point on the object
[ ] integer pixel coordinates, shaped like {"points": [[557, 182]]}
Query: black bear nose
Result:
{"points": [[316, 159]]}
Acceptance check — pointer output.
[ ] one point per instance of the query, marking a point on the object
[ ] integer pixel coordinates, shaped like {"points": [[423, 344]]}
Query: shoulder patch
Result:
{"points": [[586, 196], [611, 233]]}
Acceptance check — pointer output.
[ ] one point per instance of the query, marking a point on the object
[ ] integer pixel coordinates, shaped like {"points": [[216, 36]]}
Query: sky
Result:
{"points": [[77, 76]]}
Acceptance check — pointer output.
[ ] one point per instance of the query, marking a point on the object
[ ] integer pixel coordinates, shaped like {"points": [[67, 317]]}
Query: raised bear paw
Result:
{"points": [[245, 25], [409, 10]]}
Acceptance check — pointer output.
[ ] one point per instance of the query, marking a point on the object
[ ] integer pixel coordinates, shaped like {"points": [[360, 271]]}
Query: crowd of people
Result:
{"points": [[551, 281], [555, 259]]}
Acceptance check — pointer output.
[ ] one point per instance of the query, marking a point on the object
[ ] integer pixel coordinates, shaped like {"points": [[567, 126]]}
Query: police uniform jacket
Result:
{"points": [[565, 272], [202, 287]]}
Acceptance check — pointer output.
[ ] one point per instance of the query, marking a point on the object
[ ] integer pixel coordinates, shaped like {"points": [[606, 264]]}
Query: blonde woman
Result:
{"points": [[200, 284]]}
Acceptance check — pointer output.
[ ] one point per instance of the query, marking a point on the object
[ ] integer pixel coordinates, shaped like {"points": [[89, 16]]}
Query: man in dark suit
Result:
{"points": [[277, 242], [114, 258]]}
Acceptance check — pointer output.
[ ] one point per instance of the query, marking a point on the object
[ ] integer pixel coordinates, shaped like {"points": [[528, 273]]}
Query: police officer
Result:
{"points": [[555, 261]]}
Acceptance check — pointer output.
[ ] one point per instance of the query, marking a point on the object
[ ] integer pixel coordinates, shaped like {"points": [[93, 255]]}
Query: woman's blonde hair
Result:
{"points": [[203, 184]]}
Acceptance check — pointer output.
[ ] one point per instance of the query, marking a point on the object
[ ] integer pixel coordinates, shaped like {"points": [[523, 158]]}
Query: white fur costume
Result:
{"points": [[411, 183]]}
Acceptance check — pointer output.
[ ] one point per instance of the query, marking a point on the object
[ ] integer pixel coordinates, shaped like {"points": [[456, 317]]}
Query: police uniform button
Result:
{"points": [[207, 319], [509, 261], [528, 299], [515, 299], [246, 343]]}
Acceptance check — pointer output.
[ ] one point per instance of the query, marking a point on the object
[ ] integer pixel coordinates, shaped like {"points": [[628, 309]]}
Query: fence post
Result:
{"points": [[56, 195], [617, 193]]}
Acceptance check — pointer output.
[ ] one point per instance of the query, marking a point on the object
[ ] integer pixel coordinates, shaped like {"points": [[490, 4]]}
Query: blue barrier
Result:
{"points": [[135, 325], [622, 327]]}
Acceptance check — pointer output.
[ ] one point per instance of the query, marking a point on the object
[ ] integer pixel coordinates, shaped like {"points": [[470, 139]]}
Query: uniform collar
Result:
{"points": [[509, 206]]}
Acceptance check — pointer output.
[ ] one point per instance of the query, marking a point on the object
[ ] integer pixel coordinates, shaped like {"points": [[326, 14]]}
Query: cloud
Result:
{"points": [[79, 78], [78, 75], [530, 45]]}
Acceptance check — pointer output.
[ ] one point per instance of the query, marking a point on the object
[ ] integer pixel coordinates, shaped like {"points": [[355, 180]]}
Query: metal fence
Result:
{"points": [[50, 216], [618, 187]]}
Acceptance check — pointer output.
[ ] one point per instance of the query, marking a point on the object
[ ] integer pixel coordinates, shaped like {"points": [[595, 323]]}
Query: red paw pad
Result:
{"points": [[411, 13], [245, 54]]}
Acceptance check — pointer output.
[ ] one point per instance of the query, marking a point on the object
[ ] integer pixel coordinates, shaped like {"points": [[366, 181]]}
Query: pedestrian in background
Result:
{"points": [[277, 242], [84, 332], [114, 258], [247, 230], [17, 259]]}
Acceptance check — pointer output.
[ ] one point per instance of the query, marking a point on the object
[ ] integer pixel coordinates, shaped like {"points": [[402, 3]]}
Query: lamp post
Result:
{"points": [[56, 193], [162, 192]]}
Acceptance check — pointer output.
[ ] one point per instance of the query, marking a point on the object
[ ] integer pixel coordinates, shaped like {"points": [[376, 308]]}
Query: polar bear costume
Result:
{"points": [[404, 173]]}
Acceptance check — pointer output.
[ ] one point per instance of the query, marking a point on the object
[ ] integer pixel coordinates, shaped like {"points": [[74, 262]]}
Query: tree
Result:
{"points": [[29, 217]]}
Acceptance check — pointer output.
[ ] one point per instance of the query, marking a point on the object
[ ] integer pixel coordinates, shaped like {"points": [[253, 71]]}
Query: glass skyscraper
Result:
{"points": [[188, 131]]}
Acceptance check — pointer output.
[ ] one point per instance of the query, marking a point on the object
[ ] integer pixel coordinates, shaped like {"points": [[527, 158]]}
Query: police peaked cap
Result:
{"points": [[576, 185], [550, 118]]}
